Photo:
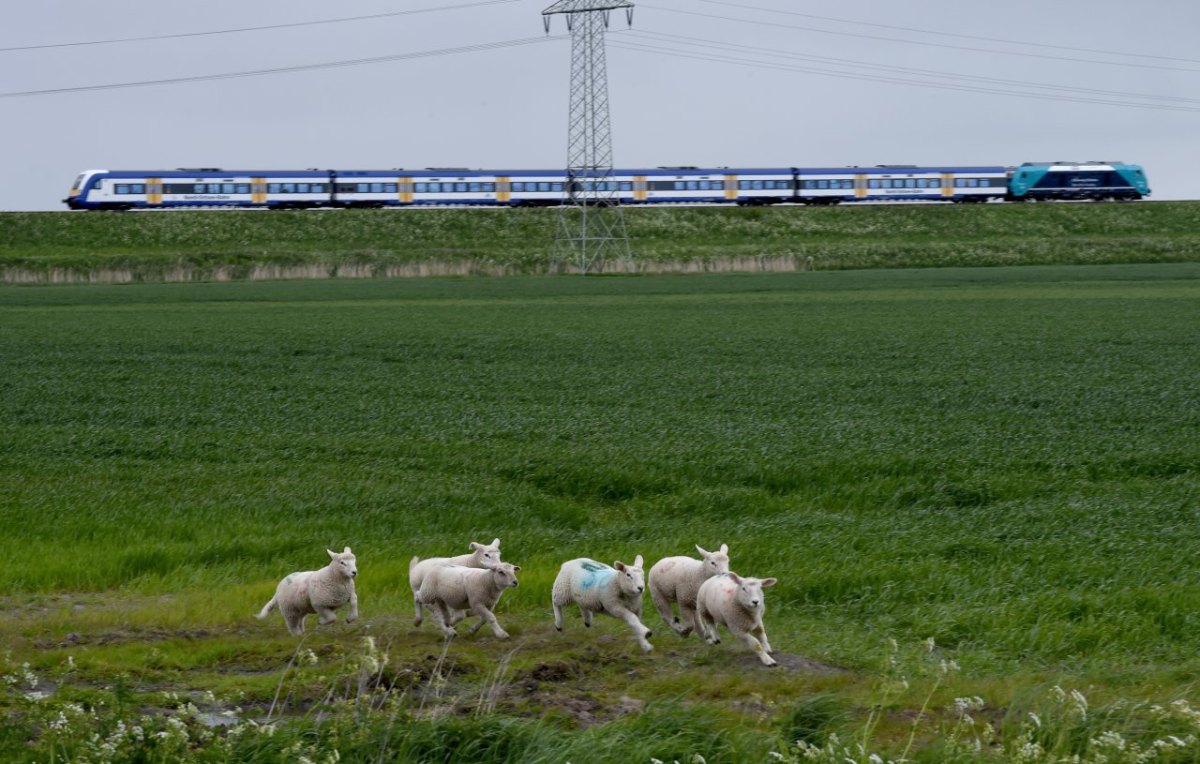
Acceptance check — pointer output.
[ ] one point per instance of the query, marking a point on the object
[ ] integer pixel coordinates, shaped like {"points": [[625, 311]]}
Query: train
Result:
{"points": [[437, 186]]}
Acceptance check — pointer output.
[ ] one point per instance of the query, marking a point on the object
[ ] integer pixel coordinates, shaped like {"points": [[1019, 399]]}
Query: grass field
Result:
{"points": [[971, 483], [183, 246]]}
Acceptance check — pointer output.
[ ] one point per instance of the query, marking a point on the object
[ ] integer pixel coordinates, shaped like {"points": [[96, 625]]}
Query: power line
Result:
{"points": [[290, 69], [728, 59], [951, 34], [775, 52], [777, 25], [260, 28]]}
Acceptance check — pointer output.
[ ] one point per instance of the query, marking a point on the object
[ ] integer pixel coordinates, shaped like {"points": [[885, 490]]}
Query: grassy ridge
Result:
{"points": [[1004, 460], [190, 245]]}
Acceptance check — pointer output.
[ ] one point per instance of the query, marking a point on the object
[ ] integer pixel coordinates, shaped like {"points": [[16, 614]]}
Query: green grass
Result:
{"points": [[1003, 460], [234, 245]]}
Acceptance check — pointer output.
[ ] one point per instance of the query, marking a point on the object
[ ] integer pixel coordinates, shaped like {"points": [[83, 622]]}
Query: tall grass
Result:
{"points": [[188, 246]]}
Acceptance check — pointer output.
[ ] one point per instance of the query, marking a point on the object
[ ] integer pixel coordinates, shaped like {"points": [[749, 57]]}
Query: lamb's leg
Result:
{"points": [[752, 640], [295, 623], [487, 616], [352, 616], [761, 634], [707, 625], [587, 617], [639, 628], [687, 617], [663, 606], [441, 615], [558, 618], [418, 611], [326, 615]]}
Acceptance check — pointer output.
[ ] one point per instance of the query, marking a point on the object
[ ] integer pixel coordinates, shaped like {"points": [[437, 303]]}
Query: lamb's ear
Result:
{"points": [[638, 562], [619, 565], [724, 549], [734, 577], [332, 554], [768, 582], [516, 568], [703, 553], [473, 546], [347, 551], [496, 543]]}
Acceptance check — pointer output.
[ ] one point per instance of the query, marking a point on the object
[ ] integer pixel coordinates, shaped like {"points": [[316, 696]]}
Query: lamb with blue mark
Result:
{"points": [[597, 588]]}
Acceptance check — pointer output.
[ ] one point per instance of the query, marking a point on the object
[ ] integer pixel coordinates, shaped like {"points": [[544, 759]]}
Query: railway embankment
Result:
{"points": [[65, 247]]}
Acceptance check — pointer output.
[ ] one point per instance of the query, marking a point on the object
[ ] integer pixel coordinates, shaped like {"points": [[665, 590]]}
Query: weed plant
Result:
{"points": [[1003, 460]]}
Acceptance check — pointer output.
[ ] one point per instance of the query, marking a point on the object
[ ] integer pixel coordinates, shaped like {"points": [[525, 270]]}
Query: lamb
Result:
{"points": [[317, 591], [456, 587], [737, 602], [595, 587], [480, 556], [678, 579]]}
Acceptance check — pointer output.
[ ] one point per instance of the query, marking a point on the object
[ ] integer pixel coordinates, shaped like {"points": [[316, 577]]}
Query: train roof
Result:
{"points": [[457, 172]]}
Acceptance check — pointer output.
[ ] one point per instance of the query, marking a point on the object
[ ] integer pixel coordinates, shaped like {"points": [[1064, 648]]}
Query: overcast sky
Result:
{"points": [[694, 82]]}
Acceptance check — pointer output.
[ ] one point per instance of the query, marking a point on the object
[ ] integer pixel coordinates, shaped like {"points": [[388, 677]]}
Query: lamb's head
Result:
{"points": [[749, 592], [715, 563], [343, 562], [632, 578], [504, 575], [486, 555]]}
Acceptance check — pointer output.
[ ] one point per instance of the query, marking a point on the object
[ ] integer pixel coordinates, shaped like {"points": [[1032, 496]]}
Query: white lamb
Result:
{"points": [[595, 587], [678, 579], [456, 587], [317, 591], [480, 556], [738, 603]]}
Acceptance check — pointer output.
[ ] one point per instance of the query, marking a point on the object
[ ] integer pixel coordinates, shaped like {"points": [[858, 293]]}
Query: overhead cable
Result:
{"points": [[951, 34], [778, 25], [289, 69], [260, 28]]}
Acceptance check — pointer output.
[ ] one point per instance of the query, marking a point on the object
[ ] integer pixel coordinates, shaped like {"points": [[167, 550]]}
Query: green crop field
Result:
{"points": [[979, 489], [208, 245]]}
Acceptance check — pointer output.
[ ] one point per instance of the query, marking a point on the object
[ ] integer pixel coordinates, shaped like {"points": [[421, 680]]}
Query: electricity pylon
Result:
{"points": [[591, 226]]}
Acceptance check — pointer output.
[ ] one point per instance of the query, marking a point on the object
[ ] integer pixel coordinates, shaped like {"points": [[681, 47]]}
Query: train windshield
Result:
{"points": [[79, 181]]}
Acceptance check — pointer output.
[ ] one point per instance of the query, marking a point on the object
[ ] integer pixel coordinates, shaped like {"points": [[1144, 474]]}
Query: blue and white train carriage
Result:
{"points": [[295, 189]]}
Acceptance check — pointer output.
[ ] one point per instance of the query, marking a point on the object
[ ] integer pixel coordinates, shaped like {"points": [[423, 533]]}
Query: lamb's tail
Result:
{"points": [[267, 608], [412, 564]]}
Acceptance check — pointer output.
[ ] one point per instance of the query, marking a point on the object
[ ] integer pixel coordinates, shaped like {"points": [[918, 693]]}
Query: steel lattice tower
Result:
{"points": [[591, 226]]}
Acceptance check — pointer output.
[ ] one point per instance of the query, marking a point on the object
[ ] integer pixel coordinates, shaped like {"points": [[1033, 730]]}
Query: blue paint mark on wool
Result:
{"points": [[597, 574]]}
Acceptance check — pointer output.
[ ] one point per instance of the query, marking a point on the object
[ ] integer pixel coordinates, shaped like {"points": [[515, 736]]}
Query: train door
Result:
{"points": [[154, 191], [503, 190], [640, 192], [860, 186], [406, 190], [258, 190], [947, 185], [731, 189]]}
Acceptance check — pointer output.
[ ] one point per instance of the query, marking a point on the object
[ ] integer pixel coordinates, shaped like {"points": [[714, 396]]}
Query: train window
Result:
{"points": [[243, 188], [122, 188], [422, 188], [626, 185], [273, 188], [226, 188], [873, 183], [138, 188], [935, 183], [518, 187], [288, 188]]}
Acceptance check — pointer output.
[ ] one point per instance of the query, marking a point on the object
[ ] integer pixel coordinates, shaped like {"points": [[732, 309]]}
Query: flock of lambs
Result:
{"points": [[705, 590]]}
